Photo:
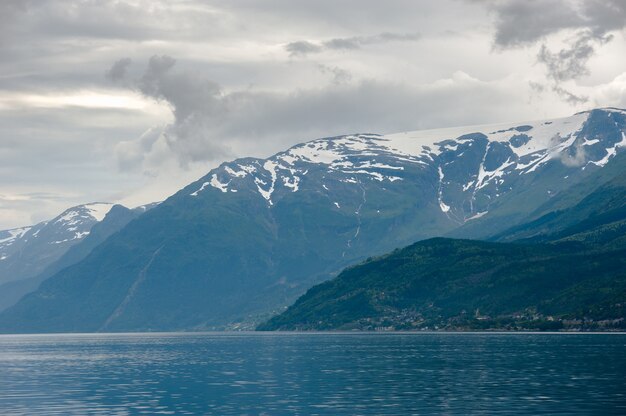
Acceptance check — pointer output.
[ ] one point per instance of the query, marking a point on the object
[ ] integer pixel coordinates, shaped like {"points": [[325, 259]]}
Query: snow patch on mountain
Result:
{"points": [[487, 176], [215, 183], [98, 210], [14, 234], [610, 152], [94, 211], [204, 185], [444, 208], [477, 215]]}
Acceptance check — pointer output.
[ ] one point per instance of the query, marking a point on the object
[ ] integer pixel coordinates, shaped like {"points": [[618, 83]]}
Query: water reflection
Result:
{"points": [[325, 374]]}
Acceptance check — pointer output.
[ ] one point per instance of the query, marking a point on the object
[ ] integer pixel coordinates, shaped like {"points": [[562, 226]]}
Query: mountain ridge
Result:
{"points": [[252, 235]]}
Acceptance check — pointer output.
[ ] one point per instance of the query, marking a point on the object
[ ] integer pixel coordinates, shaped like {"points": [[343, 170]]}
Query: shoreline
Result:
{"points": [[307, 333]]}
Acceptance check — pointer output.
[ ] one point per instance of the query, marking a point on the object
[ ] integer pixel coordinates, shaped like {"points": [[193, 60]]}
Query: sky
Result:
{"points": [[129, 101]]}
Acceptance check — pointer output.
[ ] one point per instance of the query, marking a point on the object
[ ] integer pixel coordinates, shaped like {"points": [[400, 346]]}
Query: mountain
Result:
{"points": [[27, 251], [247, 239], [116, 218]]}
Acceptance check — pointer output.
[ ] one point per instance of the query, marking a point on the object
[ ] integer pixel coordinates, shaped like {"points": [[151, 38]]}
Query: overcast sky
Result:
{"points": [[128, 101]]}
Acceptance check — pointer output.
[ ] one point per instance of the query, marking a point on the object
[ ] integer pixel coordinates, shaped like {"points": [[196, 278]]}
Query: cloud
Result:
{"points": [[613, 92], [340, 75], [211, 125], [603, 16], [568, 63], [574, 156], [236, 91], [571, 62], [388, 37], [197, 105], [131, 153], [569, 96], [520, 23], [17, 208], [524, 23], [118, 70], [304, 47]]}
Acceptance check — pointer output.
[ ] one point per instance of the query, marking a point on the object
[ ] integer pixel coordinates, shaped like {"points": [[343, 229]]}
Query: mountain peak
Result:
{"points": [[95, 211], [48, 238]]}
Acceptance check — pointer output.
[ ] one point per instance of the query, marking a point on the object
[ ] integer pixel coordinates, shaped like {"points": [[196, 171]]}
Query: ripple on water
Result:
{"points": [[317, 374]]}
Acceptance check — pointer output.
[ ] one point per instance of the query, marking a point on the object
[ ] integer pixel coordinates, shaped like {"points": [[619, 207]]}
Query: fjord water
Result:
{"points": [[308, 374]]}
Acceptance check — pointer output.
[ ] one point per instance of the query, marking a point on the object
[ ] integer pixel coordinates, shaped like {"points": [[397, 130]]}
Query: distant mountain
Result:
{"points": [[117, 217], [27, 251], [252, 235]]}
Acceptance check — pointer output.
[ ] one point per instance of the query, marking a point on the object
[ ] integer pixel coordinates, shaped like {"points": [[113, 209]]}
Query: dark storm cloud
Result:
{"points": [[304, 47]]}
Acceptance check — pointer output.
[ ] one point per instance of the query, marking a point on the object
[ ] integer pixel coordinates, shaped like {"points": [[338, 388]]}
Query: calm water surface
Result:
{"points": [[313, 374]]}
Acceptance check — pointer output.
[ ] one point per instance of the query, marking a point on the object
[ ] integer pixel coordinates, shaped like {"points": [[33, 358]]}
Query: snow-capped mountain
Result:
{"points": [[474, 170], [26, 251], [78, 240], [253, 234]]}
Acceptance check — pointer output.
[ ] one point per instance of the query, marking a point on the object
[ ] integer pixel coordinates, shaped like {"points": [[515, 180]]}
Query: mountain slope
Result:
{"points": [[584, 167], [117, 217], [462, 284], [244, 241], [595, 214]]}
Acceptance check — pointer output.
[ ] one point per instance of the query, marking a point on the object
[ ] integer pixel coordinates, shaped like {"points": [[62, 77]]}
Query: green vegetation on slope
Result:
{"points": [[461, 284]]}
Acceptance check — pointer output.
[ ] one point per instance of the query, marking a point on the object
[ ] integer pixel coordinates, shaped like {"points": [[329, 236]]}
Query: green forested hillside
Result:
{"points": [[462, 284]]}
